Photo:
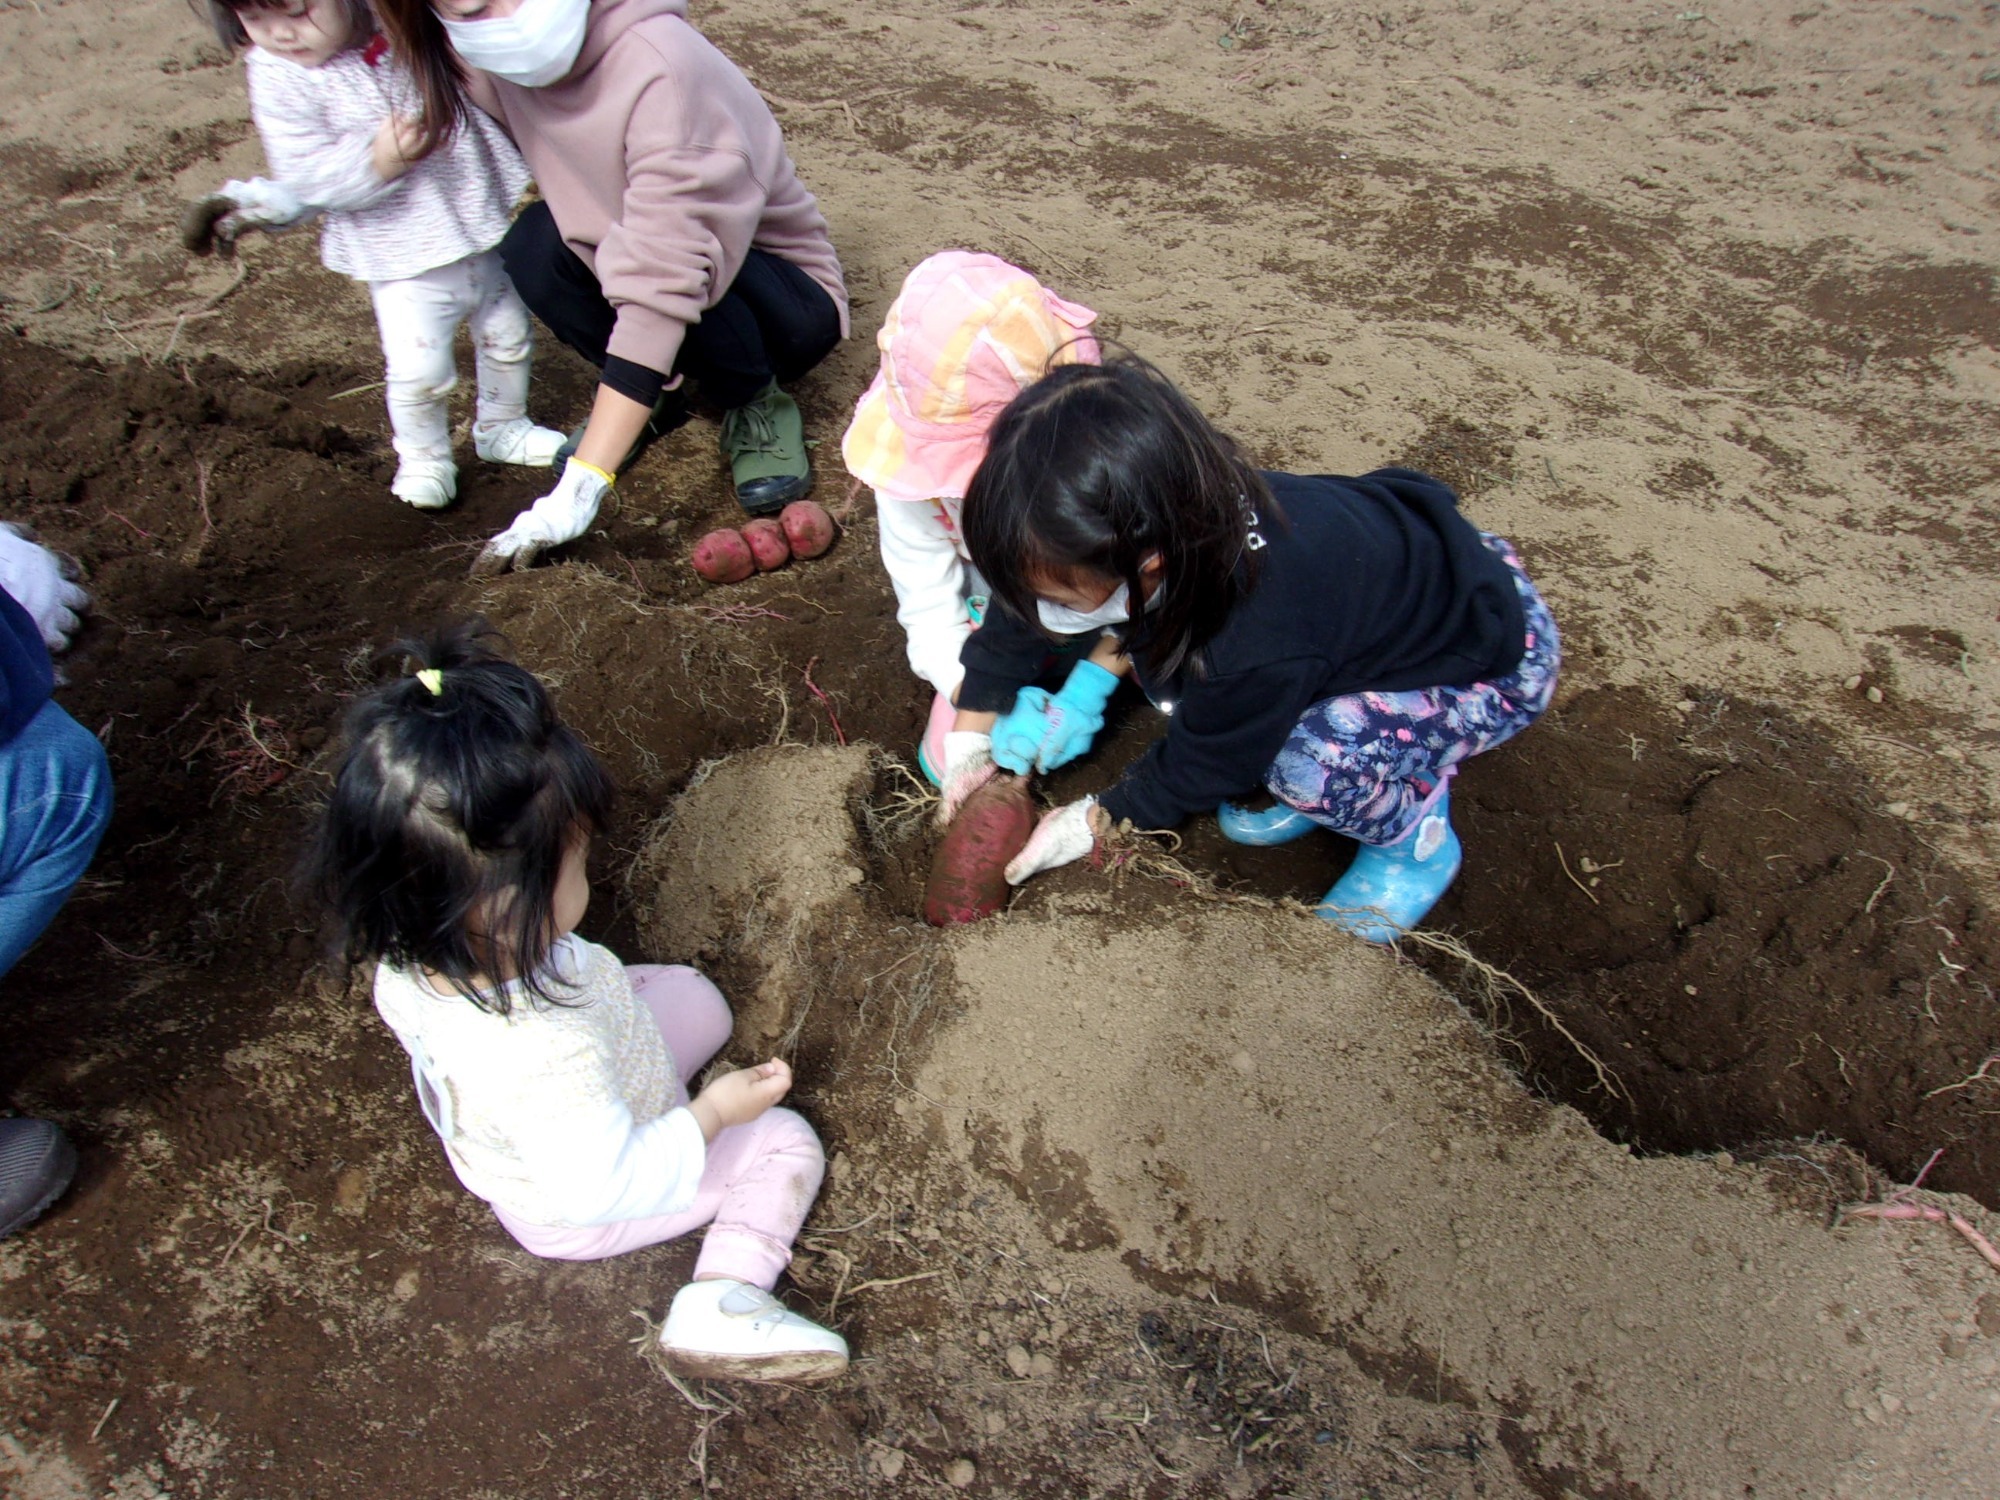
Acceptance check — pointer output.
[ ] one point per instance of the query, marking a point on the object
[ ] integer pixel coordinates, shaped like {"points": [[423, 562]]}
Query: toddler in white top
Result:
{"points": [[451, 854], [339, 119]]}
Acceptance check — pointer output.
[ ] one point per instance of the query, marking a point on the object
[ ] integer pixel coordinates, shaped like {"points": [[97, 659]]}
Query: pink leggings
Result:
{"points": [[760, 1180]]}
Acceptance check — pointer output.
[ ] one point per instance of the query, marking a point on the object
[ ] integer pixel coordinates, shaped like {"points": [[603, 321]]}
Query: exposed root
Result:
{"points": [[1982, 1076], [714, 1407], [1493, 986], [1900, 1206]]}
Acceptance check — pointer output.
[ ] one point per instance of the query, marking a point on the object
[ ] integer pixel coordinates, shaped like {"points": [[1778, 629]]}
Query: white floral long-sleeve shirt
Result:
{"points": [[319, 126]]}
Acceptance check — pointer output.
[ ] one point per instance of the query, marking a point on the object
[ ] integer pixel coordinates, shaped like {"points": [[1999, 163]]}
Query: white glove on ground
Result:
{"points": [[43, 583], [562, 515], [968, 766], [1061, 837]]}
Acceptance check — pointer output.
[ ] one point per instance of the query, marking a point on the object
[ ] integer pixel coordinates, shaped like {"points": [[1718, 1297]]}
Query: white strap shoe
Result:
{"points": [[517, 441], [729, 1330], [426, 483]]}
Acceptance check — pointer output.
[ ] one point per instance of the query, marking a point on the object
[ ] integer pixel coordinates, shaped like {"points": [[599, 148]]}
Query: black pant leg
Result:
{"points": [[556, 284], [774, 323]]}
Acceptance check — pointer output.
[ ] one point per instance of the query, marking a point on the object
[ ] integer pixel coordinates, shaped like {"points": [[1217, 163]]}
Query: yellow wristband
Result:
{"points": [[609, 479]]}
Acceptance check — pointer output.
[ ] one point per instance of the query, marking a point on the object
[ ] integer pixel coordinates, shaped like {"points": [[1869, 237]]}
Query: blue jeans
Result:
{"points": [[55, 798]]}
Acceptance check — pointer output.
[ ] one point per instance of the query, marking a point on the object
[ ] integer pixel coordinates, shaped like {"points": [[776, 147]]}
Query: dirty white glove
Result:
{"points": [[562, 515], [43, 583], [217, 221], [1061, 837], [968, 766]]}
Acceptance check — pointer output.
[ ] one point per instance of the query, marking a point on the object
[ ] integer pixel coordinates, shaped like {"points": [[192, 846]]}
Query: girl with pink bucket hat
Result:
{"points": [[966, 335]]}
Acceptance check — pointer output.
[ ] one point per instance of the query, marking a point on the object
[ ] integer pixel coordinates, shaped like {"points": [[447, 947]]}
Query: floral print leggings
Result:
{"points": [[1366, 764]]}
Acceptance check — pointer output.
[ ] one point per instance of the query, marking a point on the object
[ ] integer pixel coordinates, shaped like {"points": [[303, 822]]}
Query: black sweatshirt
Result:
{"points": [[1375, 584], [26, 676]]}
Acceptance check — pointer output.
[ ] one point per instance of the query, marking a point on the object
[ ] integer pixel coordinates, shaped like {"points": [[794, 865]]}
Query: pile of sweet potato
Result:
{"points": [[731, 554]]}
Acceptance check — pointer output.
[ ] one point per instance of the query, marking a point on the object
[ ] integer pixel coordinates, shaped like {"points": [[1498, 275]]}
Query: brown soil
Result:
{"points": [[1696, 310]]}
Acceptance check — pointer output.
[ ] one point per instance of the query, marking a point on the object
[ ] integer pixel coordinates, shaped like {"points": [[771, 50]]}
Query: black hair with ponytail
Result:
{"points": [[455, 801]]}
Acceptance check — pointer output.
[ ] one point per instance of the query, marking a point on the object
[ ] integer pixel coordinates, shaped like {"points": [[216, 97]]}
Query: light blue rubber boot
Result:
{"points": [[1391, 887], [1277, 824]]}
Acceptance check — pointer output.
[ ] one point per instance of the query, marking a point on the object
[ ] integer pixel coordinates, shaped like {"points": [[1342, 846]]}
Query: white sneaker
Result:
{"points": [[516, 441], [727, 1330], [426, 483]]}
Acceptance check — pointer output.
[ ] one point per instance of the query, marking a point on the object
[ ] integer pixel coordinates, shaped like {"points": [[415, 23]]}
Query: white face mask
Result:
{"points": [[534, 47], [1063, 620]]}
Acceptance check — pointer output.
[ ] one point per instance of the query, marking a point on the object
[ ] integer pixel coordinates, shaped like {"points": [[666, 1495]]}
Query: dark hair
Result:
{"points": [[1095, 468], [426, 52], [223, 17], [451, 802]]}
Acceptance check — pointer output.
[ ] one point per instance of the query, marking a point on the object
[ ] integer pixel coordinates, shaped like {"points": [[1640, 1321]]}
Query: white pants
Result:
{"points": [[419, 321]]}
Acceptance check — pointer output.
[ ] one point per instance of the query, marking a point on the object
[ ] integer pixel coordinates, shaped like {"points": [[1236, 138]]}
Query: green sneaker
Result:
{"points": [[765, 443]]}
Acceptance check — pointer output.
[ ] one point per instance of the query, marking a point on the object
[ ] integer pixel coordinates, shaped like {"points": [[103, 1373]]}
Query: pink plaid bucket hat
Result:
{"points": [[967, 333]]}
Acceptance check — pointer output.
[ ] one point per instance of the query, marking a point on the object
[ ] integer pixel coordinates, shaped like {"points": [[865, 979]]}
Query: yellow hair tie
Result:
{"points": [[432, 678]]}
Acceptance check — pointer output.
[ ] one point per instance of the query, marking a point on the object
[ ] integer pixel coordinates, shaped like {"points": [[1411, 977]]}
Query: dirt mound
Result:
{"points": [[1248, 1103], [1237, 1104]]}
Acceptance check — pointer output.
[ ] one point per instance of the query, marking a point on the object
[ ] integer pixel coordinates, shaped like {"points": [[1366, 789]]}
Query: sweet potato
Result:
{"points": [[969, 873], [807, 527], [768, 547], [723, 557]]}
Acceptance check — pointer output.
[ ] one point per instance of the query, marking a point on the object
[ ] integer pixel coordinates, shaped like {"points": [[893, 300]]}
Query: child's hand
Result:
{"points": [[738, 1098], [395, 148]]}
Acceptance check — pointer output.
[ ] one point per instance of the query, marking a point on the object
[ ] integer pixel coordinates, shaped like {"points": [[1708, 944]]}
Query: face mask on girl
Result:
{"points": [[534, 47], [1063, 620]]}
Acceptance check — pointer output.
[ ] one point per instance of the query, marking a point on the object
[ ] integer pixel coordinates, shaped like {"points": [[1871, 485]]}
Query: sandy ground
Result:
{"points": [[1696, 304]]}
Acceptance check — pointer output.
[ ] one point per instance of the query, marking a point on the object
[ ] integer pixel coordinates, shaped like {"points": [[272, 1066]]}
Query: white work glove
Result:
{"points": [[43, 583], [968, 766], [562, 515], [1061, 837], [217, 221]]}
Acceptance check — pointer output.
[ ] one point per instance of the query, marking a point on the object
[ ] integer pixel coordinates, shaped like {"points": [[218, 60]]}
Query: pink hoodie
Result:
{"points": [[664, 167]]}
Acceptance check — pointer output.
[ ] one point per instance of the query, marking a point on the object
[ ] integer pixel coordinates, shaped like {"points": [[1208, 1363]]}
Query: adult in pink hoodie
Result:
{"points": [[673, 237]]}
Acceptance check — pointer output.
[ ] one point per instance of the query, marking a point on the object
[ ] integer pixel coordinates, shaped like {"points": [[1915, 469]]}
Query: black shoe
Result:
{"points": [[669, 414], [37, 1162]]}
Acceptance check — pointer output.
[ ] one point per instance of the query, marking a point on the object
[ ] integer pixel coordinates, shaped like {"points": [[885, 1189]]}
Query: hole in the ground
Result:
{"points": [[1716, 905]]}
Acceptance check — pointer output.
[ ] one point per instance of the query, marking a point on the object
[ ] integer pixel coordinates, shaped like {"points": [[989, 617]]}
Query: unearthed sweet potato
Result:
{"points": [[969, 874], [807, 527], [768, 547], [723, 557]]}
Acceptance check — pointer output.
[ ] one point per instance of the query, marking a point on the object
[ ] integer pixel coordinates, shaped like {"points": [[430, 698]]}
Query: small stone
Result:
{"points": [[1986, 1313], [996, 1423], [889, 1462], [1019, 1361], [852, 875], [1873, 695], [1724, 1159], [983, 1339], [350, 1191], [1690, 989], [1040, 1365], [961, 1473], [1685, 706], [406, 1286], [1897, 809], [1853, 684]]}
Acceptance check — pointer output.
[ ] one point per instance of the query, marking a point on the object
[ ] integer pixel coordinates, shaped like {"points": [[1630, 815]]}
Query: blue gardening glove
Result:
{"points": [[1041, 732]]}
